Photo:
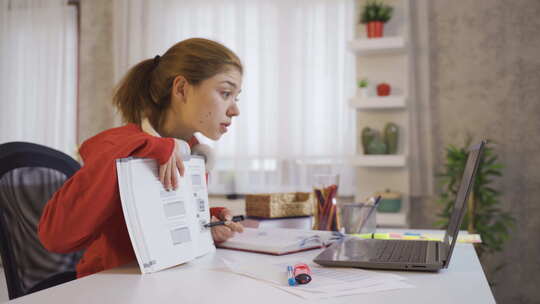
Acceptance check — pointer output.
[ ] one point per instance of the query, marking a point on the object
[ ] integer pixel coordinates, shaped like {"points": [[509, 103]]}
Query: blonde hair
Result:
{"points": [[145, 90]]}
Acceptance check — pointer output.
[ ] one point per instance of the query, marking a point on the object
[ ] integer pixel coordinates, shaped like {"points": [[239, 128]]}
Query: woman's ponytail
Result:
{"points": [[132, 95]]}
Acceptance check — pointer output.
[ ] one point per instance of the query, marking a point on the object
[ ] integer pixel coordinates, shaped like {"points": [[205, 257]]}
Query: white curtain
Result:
{"points": [[295, 120], [38, 73]]}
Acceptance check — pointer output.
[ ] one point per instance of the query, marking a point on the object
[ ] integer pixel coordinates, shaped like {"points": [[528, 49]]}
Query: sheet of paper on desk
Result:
{"points": [[327, 282], [313, 295], [331, 282]]}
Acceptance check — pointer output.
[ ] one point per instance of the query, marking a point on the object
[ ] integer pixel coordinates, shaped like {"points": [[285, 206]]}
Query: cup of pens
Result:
{"points": [[359, 217], [325, 209]]}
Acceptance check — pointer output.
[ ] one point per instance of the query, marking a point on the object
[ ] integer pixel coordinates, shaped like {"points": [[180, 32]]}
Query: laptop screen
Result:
{"points": [[466, 185]]}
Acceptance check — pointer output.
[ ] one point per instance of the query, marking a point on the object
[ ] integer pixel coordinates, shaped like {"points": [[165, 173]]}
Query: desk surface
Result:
{"points": [[201, 281]]}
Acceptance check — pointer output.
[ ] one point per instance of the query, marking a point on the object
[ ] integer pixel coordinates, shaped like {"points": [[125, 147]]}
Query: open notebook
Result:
{"points": [[278, 241]]}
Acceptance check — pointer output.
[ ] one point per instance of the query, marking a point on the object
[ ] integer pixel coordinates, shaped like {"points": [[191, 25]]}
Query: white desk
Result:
{"points": [[199, 282]]}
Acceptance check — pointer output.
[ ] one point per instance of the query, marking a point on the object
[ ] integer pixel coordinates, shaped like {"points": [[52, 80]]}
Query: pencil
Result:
{"points": [[329, 210], [330, 214]]}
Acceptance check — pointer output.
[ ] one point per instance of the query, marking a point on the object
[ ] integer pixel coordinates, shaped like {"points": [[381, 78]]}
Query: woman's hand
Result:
{"points": [[167, 171], [223, 232]]}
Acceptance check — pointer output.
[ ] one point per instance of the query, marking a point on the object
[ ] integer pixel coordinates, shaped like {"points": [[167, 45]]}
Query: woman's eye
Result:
{"points": [[226, 94]]}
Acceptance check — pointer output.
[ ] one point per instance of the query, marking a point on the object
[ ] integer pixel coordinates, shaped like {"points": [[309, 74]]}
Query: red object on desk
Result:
{"points": [[302, 273]]}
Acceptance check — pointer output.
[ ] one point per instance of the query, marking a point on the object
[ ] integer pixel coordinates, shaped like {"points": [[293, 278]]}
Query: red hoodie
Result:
{"points": [[86, 212]]}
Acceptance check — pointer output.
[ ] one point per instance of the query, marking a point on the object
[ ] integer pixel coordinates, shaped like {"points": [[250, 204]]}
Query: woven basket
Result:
{"points": [[274, 205]]}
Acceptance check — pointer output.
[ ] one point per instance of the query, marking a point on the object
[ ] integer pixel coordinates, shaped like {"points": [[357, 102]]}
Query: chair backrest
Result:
{"points": [[29, 175]]}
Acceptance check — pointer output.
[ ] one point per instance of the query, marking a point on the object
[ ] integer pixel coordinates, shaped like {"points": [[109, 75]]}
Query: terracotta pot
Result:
{"points": [[375, 29]]}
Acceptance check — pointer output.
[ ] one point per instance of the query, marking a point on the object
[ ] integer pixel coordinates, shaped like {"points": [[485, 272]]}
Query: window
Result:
{"points": [[38, 73], [295, 120]]}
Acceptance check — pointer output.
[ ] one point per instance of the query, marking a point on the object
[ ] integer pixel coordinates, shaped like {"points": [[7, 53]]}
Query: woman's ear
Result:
{"points": [[179, 88]]}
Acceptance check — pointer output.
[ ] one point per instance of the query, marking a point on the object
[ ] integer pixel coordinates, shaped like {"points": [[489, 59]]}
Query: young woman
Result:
{"points": [[192, 88]]}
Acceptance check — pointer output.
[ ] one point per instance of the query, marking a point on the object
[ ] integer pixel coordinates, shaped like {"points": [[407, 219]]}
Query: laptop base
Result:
{"points": [[362, 253]]}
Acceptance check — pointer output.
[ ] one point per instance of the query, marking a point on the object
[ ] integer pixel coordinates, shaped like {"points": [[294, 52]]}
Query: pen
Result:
{"points": [[236, 218], [290, 276]]}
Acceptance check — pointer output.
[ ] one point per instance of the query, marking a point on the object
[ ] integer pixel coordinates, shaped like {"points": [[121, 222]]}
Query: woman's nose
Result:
{"points": [[233, 110]]}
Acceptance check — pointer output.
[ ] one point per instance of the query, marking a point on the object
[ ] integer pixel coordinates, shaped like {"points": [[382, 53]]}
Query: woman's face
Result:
{"points": [[209, 107]]}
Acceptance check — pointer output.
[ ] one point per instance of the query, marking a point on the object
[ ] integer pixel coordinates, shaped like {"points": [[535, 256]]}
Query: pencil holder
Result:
{"points": [[358, 218], [325, 209]]}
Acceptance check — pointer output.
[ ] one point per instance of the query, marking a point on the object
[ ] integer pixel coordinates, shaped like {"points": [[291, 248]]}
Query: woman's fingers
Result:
{"points": [[180, 166], [226, 215], [221, 233], [174, 177], [168, 175], [165, 175], [162, 170], [167, 171], [177, 165]]}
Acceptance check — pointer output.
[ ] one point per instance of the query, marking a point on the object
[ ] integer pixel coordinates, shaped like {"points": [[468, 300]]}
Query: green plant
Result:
{"points": [[483, 213], [376, 11], [362, 83]]}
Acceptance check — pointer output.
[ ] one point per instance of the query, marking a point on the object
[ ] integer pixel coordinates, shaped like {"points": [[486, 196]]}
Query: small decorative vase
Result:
{"points": [[377, 146], [362, 92], [391, 135], [368, 134]]}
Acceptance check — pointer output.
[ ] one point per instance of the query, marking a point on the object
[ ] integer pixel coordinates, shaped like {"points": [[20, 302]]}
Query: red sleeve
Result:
{"points": [[157, 148], [76, 213], [215, 211]]}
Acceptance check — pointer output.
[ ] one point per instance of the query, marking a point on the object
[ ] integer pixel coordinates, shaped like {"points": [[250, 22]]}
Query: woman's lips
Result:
{"points": [[224, 127]]}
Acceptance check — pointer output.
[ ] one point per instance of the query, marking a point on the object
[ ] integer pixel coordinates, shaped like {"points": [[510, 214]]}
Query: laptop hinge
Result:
{"points": [[443, 253]]}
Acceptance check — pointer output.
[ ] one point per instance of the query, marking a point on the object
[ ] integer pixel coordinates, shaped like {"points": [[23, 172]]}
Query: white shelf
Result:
{"points": [[392, 219], [379, 103], [378, 45], [379, 160]]}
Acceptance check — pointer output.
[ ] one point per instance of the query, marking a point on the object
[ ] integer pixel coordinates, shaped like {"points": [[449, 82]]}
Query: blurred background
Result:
{"points": [[394, 111]]}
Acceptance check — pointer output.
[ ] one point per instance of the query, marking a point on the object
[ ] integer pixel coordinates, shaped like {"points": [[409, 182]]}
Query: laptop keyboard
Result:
{"points": [[402, 251]]}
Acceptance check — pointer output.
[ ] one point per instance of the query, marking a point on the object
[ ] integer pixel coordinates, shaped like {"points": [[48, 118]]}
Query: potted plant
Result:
{"points": [[375, 14], [484, 215], [363, 87]]}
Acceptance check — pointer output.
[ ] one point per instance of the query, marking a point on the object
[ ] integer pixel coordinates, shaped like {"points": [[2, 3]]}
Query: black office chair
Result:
{"points": [[29, 175]]}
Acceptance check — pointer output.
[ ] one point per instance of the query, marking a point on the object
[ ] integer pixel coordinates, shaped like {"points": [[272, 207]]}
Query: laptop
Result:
{"points": [[407, 254]]}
